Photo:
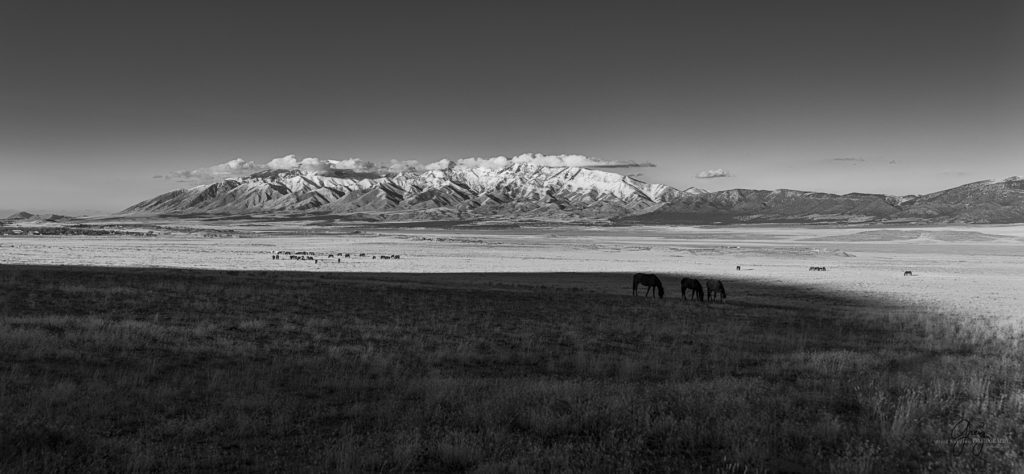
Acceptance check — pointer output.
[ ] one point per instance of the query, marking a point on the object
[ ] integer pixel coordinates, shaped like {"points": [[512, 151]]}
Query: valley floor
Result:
{"points": [[518, 351], [971, 270]]}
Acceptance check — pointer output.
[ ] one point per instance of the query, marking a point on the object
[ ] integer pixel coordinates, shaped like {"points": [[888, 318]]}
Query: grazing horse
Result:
{"points": [[650, 281], [908, 273], [715, 287], [692, 284]]}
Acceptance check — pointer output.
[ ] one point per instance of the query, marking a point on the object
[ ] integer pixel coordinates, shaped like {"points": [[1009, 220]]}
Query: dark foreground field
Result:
{"points": [[176, 370]]}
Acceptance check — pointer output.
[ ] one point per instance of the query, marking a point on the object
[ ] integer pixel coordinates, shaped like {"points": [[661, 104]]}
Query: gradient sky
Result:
{"points": [[97, 98]]}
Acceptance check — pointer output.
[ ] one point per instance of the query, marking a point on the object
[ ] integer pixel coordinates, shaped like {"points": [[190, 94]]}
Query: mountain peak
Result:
{"points": [[518, 190], [529, 191]]}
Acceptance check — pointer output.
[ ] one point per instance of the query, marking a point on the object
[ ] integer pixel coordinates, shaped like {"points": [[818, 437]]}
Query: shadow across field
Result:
{"points": [[168, 370]]}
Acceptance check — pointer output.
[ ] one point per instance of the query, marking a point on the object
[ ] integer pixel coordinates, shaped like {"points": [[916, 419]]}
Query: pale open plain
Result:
{"points": [[513, 350], [975, 271]]}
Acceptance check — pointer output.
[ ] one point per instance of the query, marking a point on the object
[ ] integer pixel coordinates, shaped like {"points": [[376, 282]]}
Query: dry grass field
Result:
{"points": [[514, 350], [169, 370]]}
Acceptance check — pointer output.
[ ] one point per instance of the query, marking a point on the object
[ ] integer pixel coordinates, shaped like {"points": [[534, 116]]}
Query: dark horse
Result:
{"points": [[715, 287], [697, 291], [650, 281]]}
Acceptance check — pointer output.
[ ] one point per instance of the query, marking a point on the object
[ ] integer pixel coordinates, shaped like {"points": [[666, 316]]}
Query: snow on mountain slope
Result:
{"points": [[526, 191], [519, 189]]}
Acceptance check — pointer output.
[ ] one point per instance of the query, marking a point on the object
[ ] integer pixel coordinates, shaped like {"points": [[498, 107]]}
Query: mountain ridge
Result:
{"points": [[525, 191], [980, 202]]}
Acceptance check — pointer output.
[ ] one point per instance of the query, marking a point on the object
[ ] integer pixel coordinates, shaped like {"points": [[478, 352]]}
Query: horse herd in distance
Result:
{"points": [[715, 288], [312, 256]]}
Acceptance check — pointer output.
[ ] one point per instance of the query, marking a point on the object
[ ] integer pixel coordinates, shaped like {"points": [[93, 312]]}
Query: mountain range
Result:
{"points": [[566, 194]]}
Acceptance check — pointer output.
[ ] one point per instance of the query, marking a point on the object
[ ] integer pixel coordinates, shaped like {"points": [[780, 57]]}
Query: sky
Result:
{"points": [[105, 104]]}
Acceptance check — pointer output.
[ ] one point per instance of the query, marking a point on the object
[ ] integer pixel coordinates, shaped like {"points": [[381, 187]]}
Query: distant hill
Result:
{"points": [[20, 216], [983, 202], [28, 217], [524, 191]]}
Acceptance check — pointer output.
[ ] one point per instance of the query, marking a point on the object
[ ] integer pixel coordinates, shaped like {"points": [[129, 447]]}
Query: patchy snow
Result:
{"points": [[555, 188]]}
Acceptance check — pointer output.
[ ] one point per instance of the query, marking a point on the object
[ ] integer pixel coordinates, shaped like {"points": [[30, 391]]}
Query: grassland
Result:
{"points": [[167, 370]]}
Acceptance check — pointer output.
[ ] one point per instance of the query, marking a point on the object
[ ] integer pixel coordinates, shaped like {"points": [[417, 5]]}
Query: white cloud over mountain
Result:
{"points": [[554, 161], [715, 173], [315, 165], [236, 167], [239, 167]]}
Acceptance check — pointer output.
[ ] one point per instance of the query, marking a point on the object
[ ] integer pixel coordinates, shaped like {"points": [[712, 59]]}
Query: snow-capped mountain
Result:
{"points": [[525, 191], [519, 190]]}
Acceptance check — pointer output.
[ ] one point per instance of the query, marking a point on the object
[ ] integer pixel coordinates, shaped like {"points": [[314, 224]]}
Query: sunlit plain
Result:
{"points": [[973, 270], [512, 350]]}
